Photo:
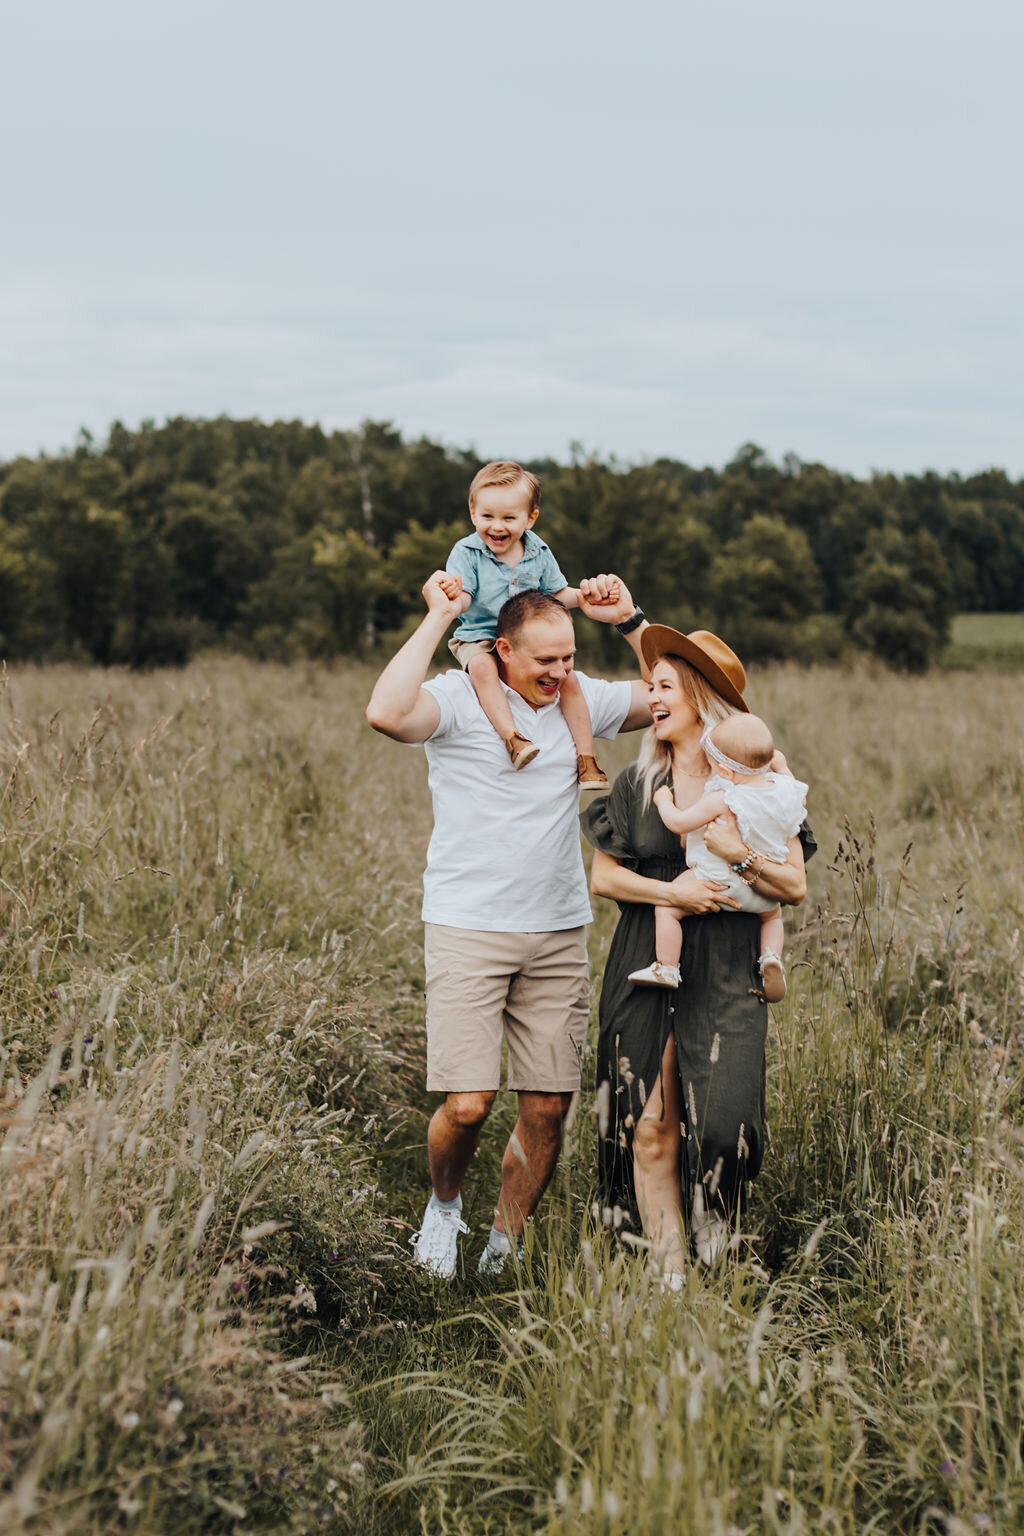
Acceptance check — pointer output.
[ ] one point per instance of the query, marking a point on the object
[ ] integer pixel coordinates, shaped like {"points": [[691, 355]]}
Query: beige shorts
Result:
{"points": [[465, 650], [533, 987]]}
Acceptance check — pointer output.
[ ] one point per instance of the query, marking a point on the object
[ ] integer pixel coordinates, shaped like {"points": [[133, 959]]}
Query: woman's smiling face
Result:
{"points": [[672, 712]]}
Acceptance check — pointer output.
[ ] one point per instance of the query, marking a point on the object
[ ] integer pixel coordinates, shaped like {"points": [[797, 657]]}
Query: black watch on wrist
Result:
{"points": [[636, 618]]}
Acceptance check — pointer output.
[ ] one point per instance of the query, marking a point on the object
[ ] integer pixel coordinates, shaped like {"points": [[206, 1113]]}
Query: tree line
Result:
{"points": [[282, 540]]}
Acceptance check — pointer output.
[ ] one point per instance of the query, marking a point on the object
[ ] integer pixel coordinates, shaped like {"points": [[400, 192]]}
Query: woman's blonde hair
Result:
{"points": [[655, 759]]}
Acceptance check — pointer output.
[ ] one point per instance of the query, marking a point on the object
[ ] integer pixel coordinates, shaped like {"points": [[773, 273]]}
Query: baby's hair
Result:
{"points": [[519, 610], [505, 472], [744, 738]]}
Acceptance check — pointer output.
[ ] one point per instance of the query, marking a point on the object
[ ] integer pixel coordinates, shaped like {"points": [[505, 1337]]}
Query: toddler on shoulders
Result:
{"points": [[501, 558]]}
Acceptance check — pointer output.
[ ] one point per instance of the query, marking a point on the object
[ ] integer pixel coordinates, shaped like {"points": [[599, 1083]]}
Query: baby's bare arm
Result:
{"points": [[700, 814], [451, 586], [610, 592]]}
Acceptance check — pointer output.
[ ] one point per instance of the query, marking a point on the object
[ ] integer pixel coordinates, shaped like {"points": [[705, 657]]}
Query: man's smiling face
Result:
{"points": [[537, 663]]}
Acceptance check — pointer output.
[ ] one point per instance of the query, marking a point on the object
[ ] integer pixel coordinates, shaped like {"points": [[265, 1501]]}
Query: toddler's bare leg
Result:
{"points": [[773, 975], [577, 718], [668, 935], [483, 674], [773, 933], [668, 946]]}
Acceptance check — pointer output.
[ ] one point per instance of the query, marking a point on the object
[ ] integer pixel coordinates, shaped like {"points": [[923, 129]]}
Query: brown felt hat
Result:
{"points": [[708, 655]]}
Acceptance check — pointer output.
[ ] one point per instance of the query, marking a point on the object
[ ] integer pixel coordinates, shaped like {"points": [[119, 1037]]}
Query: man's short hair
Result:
{"points": [[519, 610], [505, 472]]}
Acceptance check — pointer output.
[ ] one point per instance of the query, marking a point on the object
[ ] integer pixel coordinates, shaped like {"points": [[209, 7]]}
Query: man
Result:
{"points": [[505, 900]]}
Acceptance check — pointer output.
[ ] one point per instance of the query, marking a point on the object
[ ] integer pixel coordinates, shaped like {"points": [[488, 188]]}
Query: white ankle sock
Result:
{"points": [[446, 1205], [499, 1242]]}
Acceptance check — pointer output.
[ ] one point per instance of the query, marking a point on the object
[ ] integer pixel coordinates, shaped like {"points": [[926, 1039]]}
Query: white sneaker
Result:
{"points": [[655, 975], [710, 1231], [436, 1243], [713, 1240], [492, 1261]]}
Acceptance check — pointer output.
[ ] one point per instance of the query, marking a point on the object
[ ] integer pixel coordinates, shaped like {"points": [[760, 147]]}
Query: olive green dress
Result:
{"points": [[718, 1015]]}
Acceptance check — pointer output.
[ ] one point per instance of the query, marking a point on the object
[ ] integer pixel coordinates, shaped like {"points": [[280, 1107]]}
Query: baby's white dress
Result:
{"points": [[767, 819]]}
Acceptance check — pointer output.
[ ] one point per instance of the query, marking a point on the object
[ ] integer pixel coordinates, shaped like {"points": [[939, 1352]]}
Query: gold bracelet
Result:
{"points": [[750, 874]]}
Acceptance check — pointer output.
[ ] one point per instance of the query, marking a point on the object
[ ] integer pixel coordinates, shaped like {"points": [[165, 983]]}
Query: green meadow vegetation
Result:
{"points": [[986, 640], [212, 1124]]}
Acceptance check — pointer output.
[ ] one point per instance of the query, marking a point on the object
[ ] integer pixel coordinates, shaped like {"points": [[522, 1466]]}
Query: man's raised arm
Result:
{"points": [[399, 706], [596, 604]]}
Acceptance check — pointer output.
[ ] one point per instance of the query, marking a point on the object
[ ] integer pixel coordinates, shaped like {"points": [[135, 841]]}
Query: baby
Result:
{"points": [[500, 559], [769, 808]]}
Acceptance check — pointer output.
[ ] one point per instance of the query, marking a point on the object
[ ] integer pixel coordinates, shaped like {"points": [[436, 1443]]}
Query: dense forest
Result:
{"points": [[282, 540]]}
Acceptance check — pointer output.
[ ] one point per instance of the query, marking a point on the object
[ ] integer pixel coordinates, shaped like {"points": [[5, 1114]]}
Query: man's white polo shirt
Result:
{"points": [[505, 853]]}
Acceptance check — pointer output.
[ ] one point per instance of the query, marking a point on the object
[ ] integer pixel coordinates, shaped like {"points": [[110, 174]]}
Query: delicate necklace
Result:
{"points": [[684, 773]]}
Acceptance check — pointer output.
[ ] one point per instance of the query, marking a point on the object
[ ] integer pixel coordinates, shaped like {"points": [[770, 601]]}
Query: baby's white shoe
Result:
{"points": [[773, 977], [656, 975]]}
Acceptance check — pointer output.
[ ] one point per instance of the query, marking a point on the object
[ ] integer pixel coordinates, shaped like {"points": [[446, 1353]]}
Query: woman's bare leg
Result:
{"points": [[657, 1167]]}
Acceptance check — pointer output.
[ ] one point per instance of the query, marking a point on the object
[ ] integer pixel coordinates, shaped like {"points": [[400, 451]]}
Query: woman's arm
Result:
{"points": [[594, 602], [687, 893], [786, 883]]}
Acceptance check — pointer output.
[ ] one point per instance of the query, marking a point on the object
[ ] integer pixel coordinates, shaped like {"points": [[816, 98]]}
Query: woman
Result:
{"points": [[681, 1074]]}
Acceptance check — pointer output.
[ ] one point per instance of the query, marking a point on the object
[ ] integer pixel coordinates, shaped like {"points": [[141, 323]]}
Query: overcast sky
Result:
{"points": [[652, 228]]}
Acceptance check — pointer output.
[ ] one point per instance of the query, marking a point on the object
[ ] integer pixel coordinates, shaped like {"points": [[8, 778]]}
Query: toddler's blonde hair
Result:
{"points": [[505, 472]]}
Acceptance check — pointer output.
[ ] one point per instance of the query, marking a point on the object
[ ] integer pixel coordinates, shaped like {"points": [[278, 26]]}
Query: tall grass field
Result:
{"points": [[212, 1121]]}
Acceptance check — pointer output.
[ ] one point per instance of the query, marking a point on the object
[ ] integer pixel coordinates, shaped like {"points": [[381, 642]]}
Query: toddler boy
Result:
{"points": [[500, 559]]}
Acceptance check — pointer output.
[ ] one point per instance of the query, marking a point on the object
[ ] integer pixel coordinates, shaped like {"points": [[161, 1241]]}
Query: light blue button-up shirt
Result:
{"points": [[490, 582]]}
